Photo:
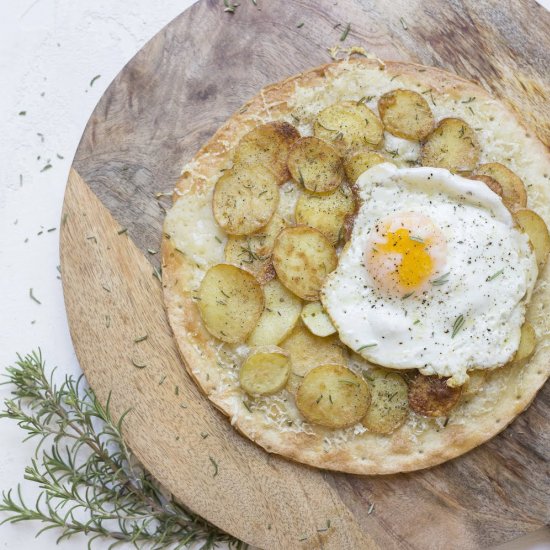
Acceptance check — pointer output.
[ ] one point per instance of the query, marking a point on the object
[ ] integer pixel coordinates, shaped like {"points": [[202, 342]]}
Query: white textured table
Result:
{"points": [[50, 51]]}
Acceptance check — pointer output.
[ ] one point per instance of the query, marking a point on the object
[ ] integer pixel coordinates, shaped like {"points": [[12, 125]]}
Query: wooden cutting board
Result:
{"points": [[155, 115]]}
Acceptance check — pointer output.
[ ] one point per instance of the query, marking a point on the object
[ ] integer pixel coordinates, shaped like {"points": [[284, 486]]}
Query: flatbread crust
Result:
{"points": [[490, 401]]}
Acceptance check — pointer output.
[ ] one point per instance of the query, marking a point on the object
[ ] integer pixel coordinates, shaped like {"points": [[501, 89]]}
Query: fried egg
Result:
{"points": [[436, 275]]}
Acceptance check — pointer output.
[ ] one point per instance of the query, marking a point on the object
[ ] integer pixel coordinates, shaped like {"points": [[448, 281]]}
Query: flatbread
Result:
{"points": [[193, 242]]}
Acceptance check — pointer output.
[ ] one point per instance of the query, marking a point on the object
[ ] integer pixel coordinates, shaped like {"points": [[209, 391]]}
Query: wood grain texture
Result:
{"points": [[161, 108], [113, 299]]}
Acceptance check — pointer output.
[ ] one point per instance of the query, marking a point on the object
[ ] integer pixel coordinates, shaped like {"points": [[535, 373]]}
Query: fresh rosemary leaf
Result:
{"points": [[88, 481], [441, 280], [403, 24], [141, 339], [366, 346], [457, 325], [215, 464], [495, 275], [345, 33], [94, 79], [299, 25], [33, 297]]}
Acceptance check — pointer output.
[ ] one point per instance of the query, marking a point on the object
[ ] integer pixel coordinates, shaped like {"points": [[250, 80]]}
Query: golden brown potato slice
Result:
{"points": [[230, 302], [389, 405], [513, 191], [244, 200], [302, 258], [265, 371], [360, 162], [532, 224], [315, 318], [349, 125], [527, 343], [316, 165], [431, 396], [452, 145], [308, 351], [253, 252], [267, 147], [406, 114], [326, 213], [333, 396], [491, 183], [282, 310]]}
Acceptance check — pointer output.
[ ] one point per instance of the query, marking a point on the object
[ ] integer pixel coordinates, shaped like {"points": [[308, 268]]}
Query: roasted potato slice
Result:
{"points": [[316, 319], [431, 396], [267, 146], [389, 406], [230, 302], [527, 343], [356, 164], [265, 371], [326, 213], [308, 351], [333, 396], [244, 200], [303, 257], [253, 252], [491, 183], [532, 224], [452, 145], [513, 191], [282, 310], [349, 125], [406, 114], [315, 164]]}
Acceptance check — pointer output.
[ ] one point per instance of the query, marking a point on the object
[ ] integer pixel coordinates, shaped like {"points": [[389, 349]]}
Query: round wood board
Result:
{"points": [[155, 115]]}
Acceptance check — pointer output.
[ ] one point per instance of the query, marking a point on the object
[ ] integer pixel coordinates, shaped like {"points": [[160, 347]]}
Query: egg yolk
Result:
{"points": [[416, 264], [405, 252]]}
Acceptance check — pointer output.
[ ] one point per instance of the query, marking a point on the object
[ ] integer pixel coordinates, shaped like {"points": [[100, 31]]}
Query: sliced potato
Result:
{"points": [[333, 396], [308, 351], [532, 224], [349, 125], [253, 252], [326, 213], [267, 147], [527, 343], [491, 183], [513, 191], [244, 200], [303, 257], [431, 396], [316, 165], [406, 114], [360, 162], [315, 318], [452, 145], [265, 371], [282, 310], [230, 302], [389, 405]]}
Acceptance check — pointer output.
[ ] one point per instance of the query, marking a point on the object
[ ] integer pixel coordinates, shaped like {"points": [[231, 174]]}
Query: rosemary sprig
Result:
{"points": [[89, 480]]}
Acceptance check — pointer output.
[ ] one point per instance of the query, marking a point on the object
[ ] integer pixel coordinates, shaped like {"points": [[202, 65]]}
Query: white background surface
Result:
{"points": [[50, 50]]}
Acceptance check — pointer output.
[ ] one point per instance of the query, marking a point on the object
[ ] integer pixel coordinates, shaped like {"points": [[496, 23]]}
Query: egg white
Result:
{"points": [[491, 273]]}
